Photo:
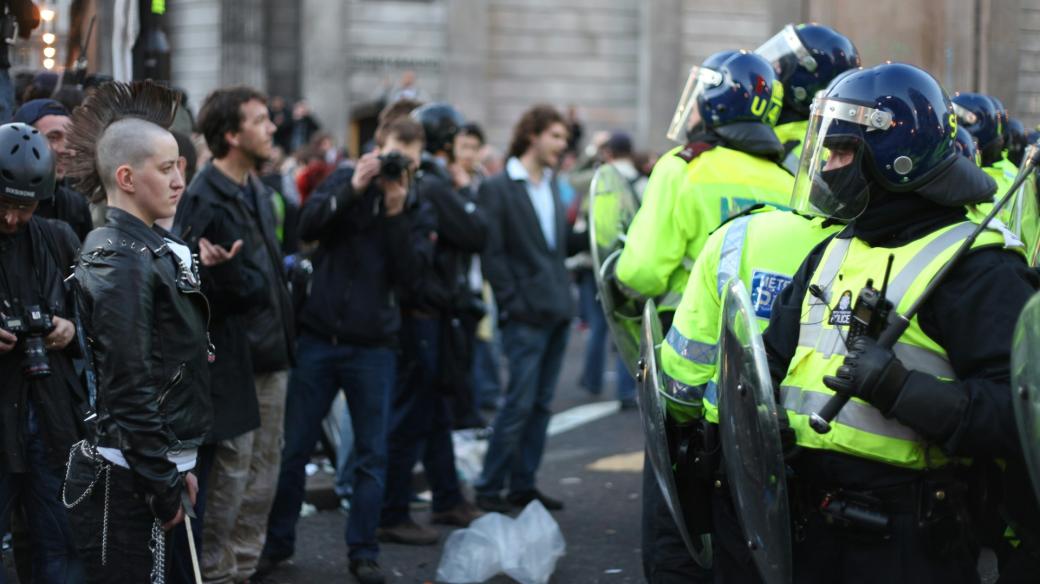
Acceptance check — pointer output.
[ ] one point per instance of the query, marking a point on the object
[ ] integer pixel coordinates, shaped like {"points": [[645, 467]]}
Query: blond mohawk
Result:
{"points": [[110, 103]]}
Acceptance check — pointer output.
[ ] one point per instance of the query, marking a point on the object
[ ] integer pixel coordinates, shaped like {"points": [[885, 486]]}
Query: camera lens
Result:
{"points": [[36, 362]]}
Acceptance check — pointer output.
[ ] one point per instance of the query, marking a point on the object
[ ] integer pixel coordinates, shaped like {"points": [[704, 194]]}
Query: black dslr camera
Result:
{"points": [[393, 165], [31, 325]]}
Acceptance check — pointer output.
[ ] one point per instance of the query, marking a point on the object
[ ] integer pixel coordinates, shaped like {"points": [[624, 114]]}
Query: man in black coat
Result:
{"points": [[524, 264], [227, 211], [41, 413]]}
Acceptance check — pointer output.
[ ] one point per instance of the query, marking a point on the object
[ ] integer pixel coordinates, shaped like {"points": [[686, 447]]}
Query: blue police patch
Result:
{"points": [[765, 287]]}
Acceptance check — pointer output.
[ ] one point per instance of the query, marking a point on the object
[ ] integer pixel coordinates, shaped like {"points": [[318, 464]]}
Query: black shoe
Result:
{"points": [[265, 565], [521, 499], [493, 504], [367, 571]]}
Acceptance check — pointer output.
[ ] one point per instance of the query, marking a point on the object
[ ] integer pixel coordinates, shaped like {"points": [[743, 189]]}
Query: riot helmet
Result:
{"points": [[806, 58], [966, 146], [1016, 140], [728, 87], [890, 126], [26, 164], [980, 115], [440, 122]]}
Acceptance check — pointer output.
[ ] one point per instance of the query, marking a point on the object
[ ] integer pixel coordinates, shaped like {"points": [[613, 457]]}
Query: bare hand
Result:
{"points": [[7, 341], [63, 333], [367, 168], [394, 194], [213, 255], [177, 520], [193, 486]]}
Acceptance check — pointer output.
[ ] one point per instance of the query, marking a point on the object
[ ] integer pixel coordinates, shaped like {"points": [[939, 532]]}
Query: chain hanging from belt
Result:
{"points": [[90, 451], [158, 547]]}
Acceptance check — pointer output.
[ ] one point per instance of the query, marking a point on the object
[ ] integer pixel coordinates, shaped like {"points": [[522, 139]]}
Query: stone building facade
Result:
{"points": [[622, 62]]}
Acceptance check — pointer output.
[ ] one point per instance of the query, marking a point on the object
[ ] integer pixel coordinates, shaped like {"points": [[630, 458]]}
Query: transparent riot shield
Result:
{"points": [[750, 435], [1025, 385], [659, 448], [613, 205]]}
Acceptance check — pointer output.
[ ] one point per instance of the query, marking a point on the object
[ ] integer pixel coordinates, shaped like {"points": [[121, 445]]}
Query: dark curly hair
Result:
{"points": [[221, 113], [534, 121]]}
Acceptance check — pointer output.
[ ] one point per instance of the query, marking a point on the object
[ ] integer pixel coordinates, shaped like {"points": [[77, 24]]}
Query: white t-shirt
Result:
{"points": [[185, 459]]}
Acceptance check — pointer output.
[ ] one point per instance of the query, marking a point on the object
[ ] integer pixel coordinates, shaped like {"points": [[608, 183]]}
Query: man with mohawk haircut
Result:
{"points": [[146, 319]]}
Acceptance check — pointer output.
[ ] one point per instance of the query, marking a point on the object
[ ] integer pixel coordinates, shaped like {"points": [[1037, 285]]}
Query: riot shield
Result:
{"points": [[659, 447], [612, 207], [750, 434], [1023, 218], [1025, 384]]}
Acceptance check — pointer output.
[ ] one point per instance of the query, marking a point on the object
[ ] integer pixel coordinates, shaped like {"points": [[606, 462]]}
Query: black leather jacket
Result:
{"points": [[146, 319]]}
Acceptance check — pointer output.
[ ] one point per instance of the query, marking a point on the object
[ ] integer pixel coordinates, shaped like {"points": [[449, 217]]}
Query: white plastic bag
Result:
{"points": [[526, 548]]}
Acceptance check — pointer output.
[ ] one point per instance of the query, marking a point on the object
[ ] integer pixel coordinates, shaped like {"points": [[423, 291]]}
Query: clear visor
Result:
{"points": [[686, 114], [830, 181], [786, 52], [965, 115]]}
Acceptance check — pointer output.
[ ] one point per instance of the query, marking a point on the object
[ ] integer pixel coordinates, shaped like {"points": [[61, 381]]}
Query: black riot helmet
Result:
{"points": [[440, 122], [1016, 140], [26, 164]]}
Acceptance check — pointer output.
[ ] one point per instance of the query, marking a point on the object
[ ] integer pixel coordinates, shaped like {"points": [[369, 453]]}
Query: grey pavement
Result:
{"points": [[593, 468]]}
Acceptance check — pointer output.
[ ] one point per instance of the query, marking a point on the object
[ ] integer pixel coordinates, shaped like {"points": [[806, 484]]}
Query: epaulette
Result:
{"points": [[693, 149]]}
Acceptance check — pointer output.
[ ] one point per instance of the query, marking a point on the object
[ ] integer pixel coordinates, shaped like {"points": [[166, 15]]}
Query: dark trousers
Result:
{"points": [[665, 557], [420, 423], [180, 569], [38, 492], [129, 530], [514, 452], [366, 375], [827, 554]]}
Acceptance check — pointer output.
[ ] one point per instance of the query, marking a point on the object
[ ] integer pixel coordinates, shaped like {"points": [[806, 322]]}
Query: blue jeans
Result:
{"points": [[366, 375], [420, 425], [54, 559], [487, 387], [596, 344], [535, 355], [345, 456]]}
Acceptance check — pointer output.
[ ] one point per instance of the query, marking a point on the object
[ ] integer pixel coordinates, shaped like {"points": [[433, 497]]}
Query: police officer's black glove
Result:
{"points": [[871, 373]]}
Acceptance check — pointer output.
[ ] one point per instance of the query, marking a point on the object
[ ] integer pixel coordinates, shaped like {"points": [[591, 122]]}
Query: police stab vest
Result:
{"points": [[860, 429]]}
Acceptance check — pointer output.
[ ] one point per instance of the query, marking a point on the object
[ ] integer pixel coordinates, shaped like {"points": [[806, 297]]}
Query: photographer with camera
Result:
{"points": [[436, 347], [372, 243], [42, 402]]}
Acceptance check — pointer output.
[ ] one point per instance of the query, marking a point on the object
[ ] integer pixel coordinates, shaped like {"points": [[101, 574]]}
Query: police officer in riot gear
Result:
{"points": [[729, 162], [806, 58], [984, 117], [882, 496]]}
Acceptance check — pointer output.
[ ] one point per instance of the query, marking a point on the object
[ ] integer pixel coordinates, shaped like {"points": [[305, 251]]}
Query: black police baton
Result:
{"points": [[821, 422]]}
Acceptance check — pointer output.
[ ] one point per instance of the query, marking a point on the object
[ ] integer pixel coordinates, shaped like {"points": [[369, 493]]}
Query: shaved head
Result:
{"points": [[129, 141]]}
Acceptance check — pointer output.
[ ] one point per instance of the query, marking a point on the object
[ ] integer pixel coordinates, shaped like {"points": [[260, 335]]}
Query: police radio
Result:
{"points": [[870, 313]]}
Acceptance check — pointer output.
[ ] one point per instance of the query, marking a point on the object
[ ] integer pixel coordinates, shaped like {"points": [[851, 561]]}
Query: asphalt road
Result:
{"points": [[594, 468]]}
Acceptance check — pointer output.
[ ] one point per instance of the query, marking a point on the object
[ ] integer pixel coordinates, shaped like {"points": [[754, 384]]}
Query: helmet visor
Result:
{"points": [[786, 53], [686, 114], [830, 180]]}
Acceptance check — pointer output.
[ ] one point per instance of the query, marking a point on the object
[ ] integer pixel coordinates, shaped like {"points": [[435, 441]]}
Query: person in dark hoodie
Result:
{"points": [[928, 413]]}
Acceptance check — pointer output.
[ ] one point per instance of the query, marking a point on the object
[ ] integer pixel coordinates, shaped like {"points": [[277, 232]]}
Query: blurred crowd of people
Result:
{"points": [[399, 276]]}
